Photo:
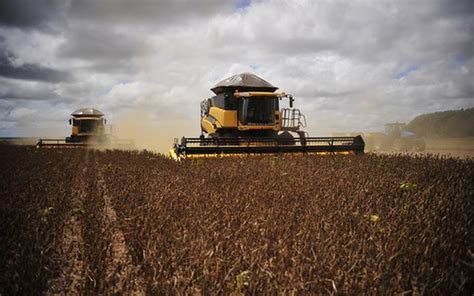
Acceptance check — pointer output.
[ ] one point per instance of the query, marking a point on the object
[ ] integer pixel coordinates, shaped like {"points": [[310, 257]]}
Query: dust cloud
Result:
{"points": [[151, 133]]}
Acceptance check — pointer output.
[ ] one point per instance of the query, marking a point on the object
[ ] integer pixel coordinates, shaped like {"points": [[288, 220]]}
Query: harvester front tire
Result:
{"points": [[286, 138]]}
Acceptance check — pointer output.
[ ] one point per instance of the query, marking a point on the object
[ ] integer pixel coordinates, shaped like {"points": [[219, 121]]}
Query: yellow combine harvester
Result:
{"points": [[244, 117], [89, 129]]}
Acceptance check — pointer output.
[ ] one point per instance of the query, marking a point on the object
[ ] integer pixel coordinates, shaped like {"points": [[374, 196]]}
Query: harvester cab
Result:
{"points": [[88, 125], [89, 128], [394, 129], [248, 114], [398, 138], [395, 137], [244, 117]]}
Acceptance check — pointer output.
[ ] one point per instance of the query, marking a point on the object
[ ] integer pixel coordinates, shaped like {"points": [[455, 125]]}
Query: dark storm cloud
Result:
{"points": [[457, 8], [29, 14], [33, 72], [29, 97], [22, 90], [109, 35], [148, 11], [37, 14], [93, 44]]}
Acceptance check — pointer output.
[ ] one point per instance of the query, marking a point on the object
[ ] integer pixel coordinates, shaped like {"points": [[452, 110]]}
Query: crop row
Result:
{"points": [[35, 204], [91, 222]]}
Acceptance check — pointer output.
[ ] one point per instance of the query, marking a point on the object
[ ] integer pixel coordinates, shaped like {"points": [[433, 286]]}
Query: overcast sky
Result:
{"points": [[351, 65]]}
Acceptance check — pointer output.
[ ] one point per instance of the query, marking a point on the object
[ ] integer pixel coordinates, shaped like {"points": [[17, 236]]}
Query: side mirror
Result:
{"points": [[70, 121]]}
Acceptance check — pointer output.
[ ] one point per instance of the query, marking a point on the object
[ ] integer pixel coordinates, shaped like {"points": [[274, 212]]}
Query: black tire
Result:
{"points": [[286, 138]]}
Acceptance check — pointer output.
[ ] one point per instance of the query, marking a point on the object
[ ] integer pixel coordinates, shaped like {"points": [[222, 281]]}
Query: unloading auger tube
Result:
{"points": [[220, 147]]}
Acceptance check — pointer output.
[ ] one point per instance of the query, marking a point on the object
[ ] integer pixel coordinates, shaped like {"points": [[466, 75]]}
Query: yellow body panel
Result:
{"points": [[75, 130], [256, 127], [207, 126], [225, 118], [277, 120]]}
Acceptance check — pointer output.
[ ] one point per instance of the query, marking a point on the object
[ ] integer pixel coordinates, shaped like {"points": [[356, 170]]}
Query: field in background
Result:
{"points": [[21, 141], [455, 146], [78, 221]]}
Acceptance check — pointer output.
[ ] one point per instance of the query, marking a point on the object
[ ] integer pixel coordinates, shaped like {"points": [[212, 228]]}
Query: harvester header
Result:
{"points": [[244, 117]]}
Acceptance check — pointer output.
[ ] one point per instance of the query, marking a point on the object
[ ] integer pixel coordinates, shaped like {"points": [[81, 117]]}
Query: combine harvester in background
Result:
{"points": [[244, 117], [89, 129], [395, 138]]}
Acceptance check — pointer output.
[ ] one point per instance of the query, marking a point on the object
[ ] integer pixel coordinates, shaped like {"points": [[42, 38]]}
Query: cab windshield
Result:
{"points": [[257, 110], [89, 125]]}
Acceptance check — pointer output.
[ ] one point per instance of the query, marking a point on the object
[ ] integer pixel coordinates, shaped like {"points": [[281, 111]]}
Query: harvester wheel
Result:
{"points": [[420, 145], [302, 136], [403, 145], [286, 138]]}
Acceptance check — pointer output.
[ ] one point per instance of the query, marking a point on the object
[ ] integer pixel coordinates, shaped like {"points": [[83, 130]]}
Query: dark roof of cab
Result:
{"points": [[243, 82], [87, 112]]}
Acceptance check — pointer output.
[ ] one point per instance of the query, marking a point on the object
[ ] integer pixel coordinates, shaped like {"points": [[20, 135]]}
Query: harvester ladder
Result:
{"points": [[292, 119], [109, 130]]}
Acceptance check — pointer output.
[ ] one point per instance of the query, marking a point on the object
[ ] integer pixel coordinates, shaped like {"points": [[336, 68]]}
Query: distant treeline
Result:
{"points": [[456, 123]]}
